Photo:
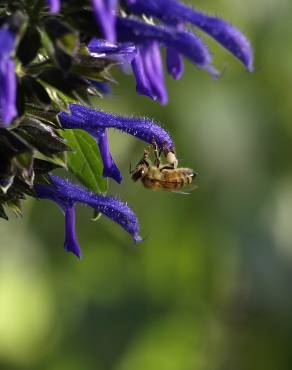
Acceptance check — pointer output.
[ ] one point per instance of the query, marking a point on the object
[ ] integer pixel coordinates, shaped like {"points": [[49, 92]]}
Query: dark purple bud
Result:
{"points": [[7, 78]]}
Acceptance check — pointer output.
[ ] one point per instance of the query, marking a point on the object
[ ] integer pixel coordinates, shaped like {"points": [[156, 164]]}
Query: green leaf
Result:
{"points": [[84, 160]]}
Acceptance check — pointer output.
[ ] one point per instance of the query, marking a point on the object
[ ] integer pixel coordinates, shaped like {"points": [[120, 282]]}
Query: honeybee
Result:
{"points": [[167, 176]]}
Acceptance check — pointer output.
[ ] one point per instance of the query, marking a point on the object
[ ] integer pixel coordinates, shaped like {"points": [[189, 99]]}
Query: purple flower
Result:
{"points": [[105, 15], [122, 52], [148, 70], [147, 65], [96, 122], [7, 77], [66, 195], [54, 6], [174, 12]]}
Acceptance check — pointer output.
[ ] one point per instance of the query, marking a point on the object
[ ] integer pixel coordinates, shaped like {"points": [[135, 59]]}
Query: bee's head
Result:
{"points": [[140, 170]]}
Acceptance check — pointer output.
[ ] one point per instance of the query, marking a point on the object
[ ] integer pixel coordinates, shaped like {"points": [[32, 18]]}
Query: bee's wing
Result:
{"points": [[190, 188]]}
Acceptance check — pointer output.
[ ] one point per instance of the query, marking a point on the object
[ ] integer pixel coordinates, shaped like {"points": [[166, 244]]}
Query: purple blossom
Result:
{"points": [[105, 15], [148, 70], [147, 65], [174, 63], [173, 12], [96, 122], [54, 5], [186, 43], [122, 52], [66, 195], [7, 77], [110, 169]]}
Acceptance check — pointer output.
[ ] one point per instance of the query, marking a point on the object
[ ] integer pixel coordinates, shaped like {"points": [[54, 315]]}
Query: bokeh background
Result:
{"points": [[210, 288]]}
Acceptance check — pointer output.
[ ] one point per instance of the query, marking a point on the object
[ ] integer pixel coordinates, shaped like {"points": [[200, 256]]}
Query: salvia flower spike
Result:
{"points": [[56, 59]]}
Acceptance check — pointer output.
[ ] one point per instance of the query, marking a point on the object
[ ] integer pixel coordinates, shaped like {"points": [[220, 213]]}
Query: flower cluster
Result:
{"points": [[55, 60]]}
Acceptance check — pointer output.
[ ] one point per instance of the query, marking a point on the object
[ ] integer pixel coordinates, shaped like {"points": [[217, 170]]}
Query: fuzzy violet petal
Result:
{"points": [[66, 194], [91, 120], [171, 11], [7, 77]]}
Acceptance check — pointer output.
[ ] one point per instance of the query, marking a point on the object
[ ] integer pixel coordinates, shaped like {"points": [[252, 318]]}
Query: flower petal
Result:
{"points": [[186, 43], [172, 11], [110, 169], [175, 64], [154, 71], [54, 6], [123, 52], [104, 13], [8, 81], [71, 242], [91, 120], [66, 194]]}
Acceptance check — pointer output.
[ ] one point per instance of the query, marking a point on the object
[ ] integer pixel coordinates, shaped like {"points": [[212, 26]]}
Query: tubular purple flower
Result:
{"points": [[142, 83], [91, 120], [147, 65], [174, 63], [7, 77], [171, 11], [154, 71], [110, 169], [186, 43], [71, 243], [54, 5], [95, 122], [105, 15], [66, 195]]}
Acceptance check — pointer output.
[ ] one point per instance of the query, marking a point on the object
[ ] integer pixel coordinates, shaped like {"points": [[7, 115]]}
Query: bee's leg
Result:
{"points": [[156, 153], [146, 154]]}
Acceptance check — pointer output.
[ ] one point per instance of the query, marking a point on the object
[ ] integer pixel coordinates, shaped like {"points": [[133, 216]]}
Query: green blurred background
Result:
{"points": [[210, 288]]}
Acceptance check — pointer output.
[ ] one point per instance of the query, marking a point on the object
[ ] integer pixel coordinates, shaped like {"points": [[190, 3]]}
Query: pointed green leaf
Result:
{"points": [[84, 160]]}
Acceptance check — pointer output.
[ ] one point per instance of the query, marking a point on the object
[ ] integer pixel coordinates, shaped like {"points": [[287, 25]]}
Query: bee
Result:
{"points": [[167, 176]]}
